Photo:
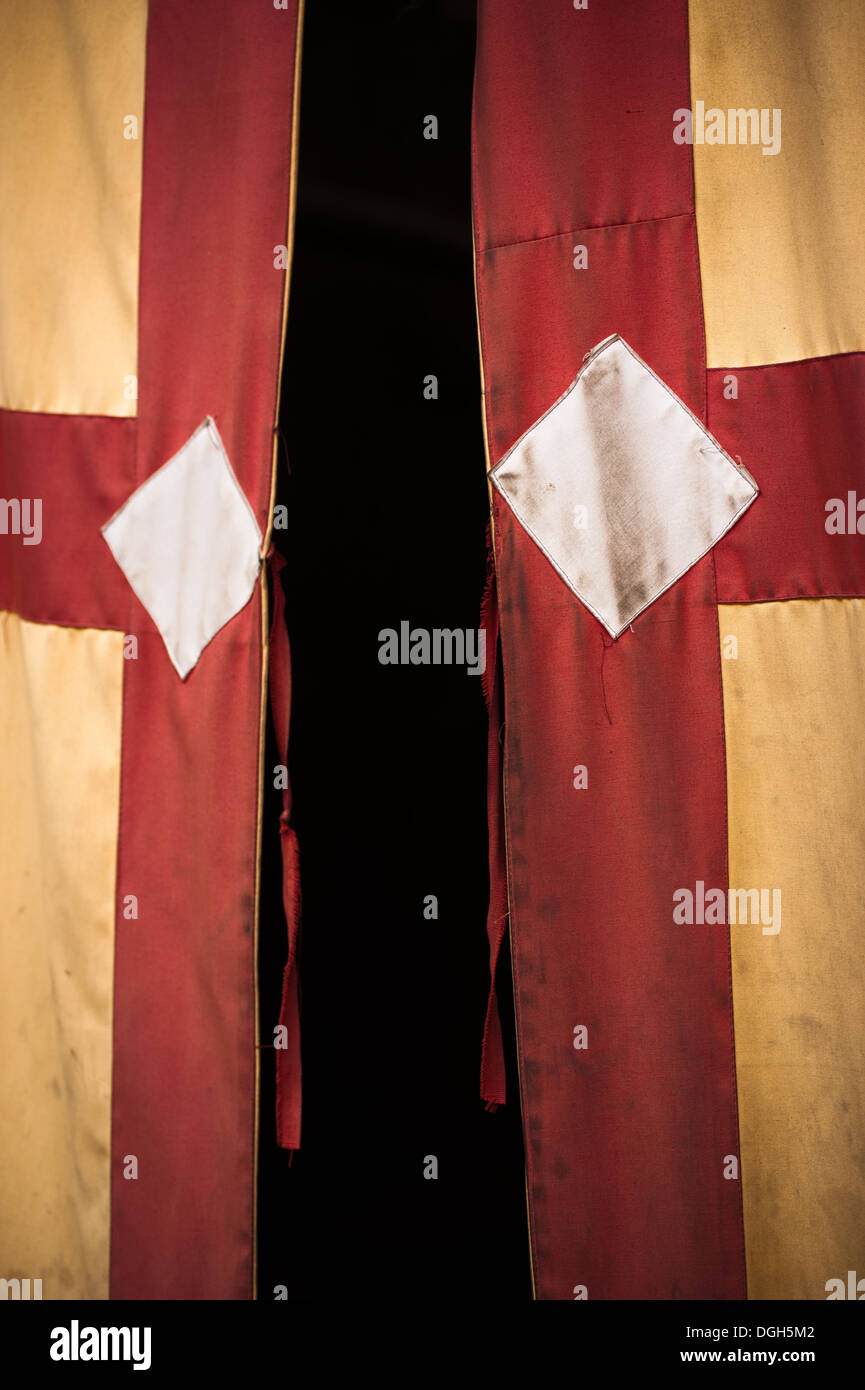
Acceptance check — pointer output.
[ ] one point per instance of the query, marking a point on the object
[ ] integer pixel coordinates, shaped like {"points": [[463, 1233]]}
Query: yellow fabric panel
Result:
{"points": [[781, 235], [60, 723], [71, 71], [794, 701]]}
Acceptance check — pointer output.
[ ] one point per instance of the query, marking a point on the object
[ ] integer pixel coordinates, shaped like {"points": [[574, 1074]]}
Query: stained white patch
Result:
{"points": [[654, 489], [189, 544]]}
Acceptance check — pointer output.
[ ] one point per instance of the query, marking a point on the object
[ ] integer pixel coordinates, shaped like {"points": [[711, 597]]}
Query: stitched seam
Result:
{"points": [[704, 376], [485, 398], [119, 868], [66, 415], [734, 1082], [790, 598], [704, 369], [591, 227], [695, 241], [791, 362]]}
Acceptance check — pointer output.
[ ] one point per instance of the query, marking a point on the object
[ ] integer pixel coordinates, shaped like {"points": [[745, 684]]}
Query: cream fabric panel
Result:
{"points": [[71, 72], [781, 235], [793, 712], [60, 727]]}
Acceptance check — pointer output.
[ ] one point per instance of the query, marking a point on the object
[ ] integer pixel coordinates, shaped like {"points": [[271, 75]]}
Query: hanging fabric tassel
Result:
{"points": [[492, 1052], [288, 1060]]}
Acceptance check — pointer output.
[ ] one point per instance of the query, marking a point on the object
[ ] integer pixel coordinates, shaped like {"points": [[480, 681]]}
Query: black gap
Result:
{"points": [[387, 510]]}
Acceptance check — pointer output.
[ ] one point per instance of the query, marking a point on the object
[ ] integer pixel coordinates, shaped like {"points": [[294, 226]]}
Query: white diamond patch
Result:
{"points": [[190, 546], [621, 486]]}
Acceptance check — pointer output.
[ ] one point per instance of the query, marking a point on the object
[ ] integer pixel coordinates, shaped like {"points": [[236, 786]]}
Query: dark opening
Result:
{"points": [[387, 511]]}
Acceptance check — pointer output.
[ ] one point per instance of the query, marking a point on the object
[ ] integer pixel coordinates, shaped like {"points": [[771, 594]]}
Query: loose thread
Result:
{"points": [[278, 432], [603, 683]]}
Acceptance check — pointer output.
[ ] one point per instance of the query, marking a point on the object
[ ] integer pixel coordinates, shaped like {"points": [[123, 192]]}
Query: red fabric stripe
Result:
{"points": [[581, 103], [183, 1031], [82, 468], [217, 145], [799, 427], [217, 135], [539, 315], [626, 1139]]}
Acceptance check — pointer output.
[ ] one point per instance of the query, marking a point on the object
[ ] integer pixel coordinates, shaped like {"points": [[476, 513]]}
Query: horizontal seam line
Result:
{"points": [[595, 227], [61, 414], [790, 598], [793, 361]]}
